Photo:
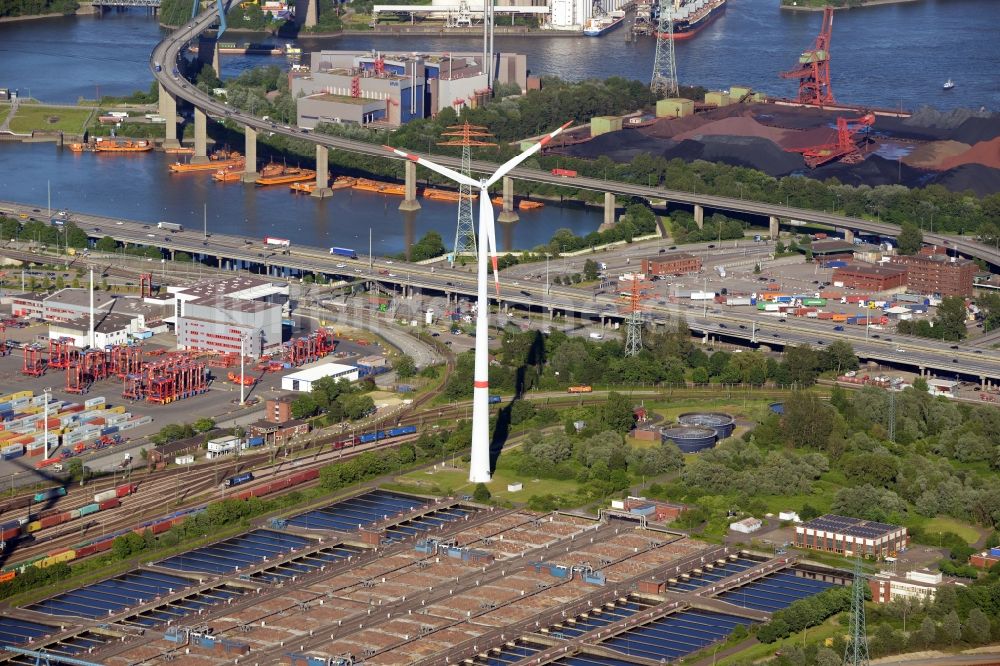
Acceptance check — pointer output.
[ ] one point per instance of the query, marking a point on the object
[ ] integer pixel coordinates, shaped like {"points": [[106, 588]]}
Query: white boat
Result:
{"points": [[597, 26], [948, 85]]}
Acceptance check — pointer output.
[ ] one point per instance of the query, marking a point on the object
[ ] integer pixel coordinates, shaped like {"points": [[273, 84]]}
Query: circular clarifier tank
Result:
{"points": [[689, 438], [722, 424]]}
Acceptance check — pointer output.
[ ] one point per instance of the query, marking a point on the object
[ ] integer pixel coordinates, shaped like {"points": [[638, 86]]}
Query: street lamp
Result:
{"points": [[243, 339]]}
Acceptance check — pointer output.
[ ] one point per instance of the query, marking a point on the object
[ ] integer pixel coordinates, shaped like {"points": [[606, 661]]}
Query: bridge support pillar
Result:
{"points": [[848, 235], [200, 137], [250, 174], [216, 59], [609, 211], [322, 189], [410, 199], [168, 111], [699, 216], [507, 214], [773, 227], [311, 12]]}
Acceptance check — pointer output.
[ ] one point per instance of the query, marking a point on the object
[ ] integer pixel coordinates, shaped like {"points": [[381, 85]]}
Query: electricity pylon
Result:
{"points": [[856, 653], [664, 64], [633, 325], [466, 136]]}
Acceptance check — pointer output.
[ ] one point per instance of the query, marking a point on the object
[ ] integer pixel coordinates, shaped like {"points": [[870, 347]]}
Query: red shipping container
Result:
{"points": [[66, 516], [125, 490], [112, 503], [52, 521], [86, 551], [10, 533], [245, 495], [311, 474], [102, 546], [161, 527]]}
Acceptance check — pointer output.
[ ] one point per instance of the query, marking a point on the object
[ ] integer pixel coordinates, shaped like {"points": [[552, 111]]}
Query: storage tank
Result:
{"points": [[722, 424], [689, 439]]}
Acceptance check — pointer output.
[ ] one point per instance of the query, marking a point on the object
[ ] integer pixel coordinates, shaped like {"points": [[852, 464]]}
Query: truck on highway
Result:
{"points": [[566, 173], [344, 252], [169, 226], [277, 242]]}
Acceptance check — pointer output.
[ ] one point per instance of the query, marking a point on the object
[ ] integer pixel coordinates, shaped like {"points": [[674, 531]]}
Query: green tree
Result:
{"points": [[839, 356], [927, 634], [949, 320], [807, 420], [920, 385], [989, 306], [303, 406], [910, 239], [106, 244], [977, 628], [590, 270], [405, 366], [617, 413], [481, 493], [951, 628], [203, 425]]}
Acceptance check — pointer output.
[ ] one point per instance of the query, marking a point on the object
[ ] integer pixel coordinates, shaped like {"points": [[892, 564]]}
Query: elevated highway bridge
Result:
{"points": [[712, 322]]}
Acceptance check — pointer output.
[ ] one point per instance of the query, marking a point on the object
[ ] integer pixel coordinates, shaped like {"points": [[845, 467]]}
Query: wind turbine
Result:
{"points": [[479, 467]]}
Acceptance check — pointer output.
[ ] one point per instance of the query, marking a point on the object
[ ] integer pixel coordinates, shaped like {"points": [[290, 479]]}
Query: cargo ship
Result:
{"points": [[691, 17], [283, 175], [304, 187], [182, 150], [523, 204], [366, 185], [103, 145], [220, 159], [233, 175], [598, 25], [442, 195], [246, 48]]}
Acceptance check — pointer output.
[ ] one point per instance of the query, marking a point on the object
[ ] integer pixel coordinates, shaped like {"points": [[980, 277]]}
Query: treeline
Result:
{"points": [[531, 359], [683, 228], [36, 7], [43, 232], [336, 399]]}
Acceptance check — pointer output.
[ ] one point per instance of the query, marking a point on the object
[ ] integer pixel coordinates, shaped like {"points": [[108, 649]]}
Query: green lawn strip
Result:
{"points": [[48, 118]]}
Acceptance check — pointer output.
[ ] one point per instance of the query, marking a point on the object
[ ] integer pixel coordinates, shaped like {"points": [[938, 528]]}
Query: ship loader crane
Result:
{"points": [[845, 148], [813, 71]]}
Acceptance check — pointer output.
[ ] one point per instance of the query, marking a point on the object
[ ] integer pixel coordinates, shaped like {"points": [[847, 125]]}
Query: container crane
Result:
{"points": [[845, 148], [813, 71]]}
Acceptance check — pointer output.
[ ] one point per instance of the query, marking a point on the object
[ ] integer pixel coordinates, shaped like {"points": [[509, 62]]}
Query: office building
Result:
{"points": [[921, 585], [938, 274], [851, 537]]}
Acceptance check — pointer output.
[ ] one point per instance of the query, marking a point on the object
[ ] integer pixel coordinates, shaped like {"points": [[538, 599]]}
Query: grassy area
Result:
{"points": [[944, 524], [758, 651], [36, 118], [448, 478]]}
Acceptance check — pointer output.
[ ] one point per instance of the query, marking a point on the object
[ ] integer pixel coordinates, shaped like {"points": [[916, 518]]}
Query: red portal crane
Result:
{"points": [[813, 71], [845, 148]]}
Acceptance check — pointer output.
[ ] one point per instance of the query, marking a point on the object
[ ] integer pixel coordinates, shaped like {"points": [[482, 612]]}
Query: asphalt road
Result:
{"points": [[935, 356]]}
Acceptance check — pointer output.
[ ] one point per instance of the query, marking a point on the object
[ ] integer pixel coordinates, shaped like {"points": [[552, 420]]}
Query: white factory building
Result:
{"points": [[230, 316], [552, 14], [304, 378]]}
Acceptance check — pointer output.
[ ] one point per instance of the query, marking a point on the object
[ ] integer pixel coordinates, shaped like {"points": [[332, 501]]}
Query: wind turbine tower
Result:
{"points": [[479, 466], [466, 136], [664, 80]]}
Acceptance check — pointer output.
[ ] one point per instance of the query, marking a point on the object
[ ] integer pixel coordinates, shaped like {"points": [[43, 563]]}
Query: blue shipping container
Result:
{"points": [[255, 441], [995, 552]]}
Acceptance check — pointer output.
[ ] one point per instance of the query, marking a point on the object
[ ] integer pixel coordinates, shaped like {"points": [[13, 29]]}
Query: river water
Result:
{"points": [[890, 55]]}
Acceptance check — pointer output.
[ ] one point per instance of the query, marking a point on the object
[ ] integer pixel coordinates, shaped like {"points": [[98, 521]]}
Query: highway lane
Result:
{"points": [[934, 355], [167, 52]]}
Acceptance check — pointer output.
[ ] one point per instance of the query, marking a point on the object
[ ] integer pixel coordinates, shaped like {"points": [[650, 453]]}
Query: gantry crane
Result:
{"points": [[813, 71], [845, 148]]}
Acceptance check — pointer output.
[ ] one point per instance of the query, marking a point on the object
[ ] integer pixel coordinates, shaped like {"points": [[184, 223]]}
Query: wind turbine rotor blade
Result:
{"points": [[437, 168], [486, 224], [506, 167]]}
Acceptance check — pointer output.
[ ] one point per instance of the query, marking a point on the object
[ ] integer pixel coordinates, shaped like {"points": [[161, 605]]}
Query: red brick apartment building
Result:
{"points": [[938, 274], [870, 277], [671, 264]]}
